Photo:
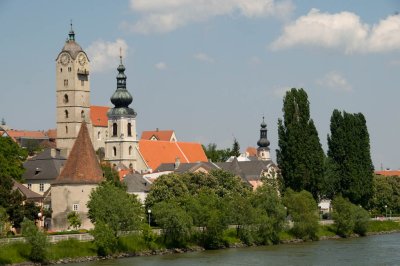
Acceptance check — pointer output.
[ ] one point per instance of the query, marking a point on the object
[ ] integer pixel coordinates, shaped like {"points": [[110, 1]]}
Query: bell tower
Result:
{"points": [[72, 92], [263, 153]]}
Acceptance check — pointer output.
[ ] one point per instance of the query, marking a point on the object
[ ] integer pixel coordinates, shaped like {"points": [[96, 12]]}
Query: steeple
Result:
{"points": [[71, 33], [263, 142], [121, 97]]}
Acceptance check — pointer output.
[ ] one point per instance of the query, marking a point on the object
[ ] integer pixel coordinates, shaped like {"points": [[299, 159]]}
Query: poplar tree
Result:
{"points": [[300, 156], [349, 150]]}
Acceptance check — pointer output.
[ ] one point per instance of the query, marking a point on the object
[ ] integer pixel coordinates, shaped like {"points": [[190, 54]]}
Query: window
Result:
{"points": [[130, 166], [65, 82], [66, 100], [41, 187], [29, 186], [129, 130], [66, 129], [115, 151], [130, 150], [69, 69], [75, 207], [82, 114], [115, 127], [66, 113], [60, 69], [98, 135]]}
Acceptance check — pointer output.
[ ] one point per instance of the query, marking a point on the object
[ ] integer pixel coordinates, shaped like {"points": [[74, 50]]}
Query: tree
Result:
{"points": [[303, 210], [104, 238], [349, 150], [216, 155], [386, 194], [3, 222], [300, 156], [111, 175], [36, 239], [115, 208], [74, 220], [235, 148]]}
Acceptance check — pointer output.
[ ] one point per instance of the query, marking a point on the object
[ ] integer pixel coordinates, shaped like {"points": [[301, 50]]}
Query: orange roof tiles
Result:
{"points": [[98, 115], [251, 151], [26, 134], [158, 152], [52, 133], [82, 166], [388, 172], [163, 135]]}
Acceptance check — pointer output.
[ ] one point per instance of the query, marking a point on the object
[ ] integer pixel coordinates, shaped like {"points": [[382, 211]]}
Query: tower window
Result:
{"points": [[115, 127], [115, 151], [66, 129], [130, 150], [65, 82], [69, 69], [82, 114], [66, 100], [98, 135], [60, 69], [66, 113], [129, 130]]}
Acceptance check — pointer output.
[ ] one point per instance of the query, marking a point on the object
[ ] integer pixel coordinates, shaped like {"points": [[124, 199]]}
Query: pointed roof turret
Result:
{"points": [[71, 46], [121, 97], [263, 142], [82, 166]]}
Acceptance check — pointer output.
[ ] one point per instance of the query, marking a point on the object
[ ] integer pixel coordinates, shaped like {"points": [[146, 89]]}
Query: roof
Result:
{"points": [[29, 194], [158, 152], [44, 166], [16, 134], [163, 135], [98, 115], [247, 170], [136, 183], [186, 167], [72, 47], [251, 151], [82, 166], [52, 133], [388, 172]]}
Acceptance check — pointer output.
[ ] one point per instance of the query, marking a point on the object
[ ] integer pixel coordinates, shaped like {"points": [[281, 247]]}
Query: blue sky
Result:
{"points": [[210, 69]]}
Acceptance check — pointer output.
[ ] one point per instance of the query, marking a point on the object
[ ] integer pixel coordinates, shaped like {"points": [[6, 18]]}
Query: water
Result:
{"points": [[373, 250]]}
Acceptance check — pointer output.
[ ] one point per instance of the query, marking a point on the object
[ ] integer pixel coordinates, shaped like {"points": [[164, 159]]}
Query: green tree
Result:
{"points": [[300, 156], [349, 149], [216, 155], [3, 222], [36, 239], [105, 238], [115, 208], [235, 148], [74, 220], [175, 222], [386, 194], [303, 210], [343, 216], [111, 175]]}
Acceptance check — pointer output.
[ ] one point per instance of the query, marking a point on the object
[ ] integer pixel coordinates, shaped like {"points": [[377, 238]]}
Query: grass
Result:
{"points": [[14, 253], [230, 237], [326, 231], [71, 248], [383, 226]]}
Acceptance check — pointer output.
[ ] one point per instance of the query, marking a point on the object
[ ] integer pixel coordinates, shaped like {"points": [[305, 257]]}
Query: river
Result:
{"points": [[372, 250]]}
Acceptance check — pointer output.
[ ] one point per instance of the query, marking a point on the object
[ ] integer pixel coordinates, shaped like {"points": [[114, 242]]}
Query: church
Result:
{"points": [[112, 130]]}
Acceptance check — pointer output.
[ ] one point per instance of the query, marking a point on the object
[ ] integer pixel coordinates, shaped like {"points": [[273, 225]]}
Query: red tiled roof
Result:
{"points": [[163, 135], [26, 134], [52, 133], [388, 172], [251, 151], [98, 115], [158, 152], [82, 166]]}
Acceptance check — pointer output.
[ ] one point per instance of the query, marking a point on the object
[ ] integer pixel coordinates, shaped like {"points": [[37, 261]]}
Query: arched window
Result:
{"points": [[98, 135], [129, 130], [66, 113], [130, 150], [115, 127], [66, 129], [65, 82], [82, 114], [115, 151], [66, 100], [69, 69], [60, 69]]}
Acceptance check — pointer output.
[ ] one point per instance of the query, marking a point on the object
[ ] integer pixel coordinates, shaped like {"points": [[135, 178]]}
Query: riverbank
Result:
{"points": [[16, 254]]}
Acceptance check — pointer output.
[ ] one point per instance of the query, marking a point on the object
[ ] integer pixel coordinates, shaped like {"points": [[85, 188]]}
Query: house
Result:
{"points": [[42, 169], [163, 135], [388, 172], [71, 189], [138, 185]]}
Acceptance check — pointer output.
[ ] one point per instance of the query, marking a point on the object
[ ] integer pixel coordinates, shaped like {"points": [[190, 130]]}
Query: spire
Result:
{"points": [[121, 97], [71, 33], [263, 142], [82, 166]]}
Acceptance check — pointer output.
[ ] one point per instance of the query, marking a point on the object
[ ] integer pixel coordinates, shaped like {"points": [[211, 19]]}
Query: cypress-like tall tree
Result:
{"points": [[300, 156], [349, 150]]}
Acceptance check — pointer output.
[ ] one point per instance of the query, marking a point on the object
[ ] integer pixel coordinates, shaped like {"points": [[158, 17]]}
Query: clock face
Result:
{"points": [[64, 59], [82, 59]]}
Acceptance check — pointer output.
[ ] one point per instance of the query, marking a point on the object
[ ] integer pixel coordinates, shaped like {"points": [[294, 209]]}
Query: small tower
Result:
{"points": [[121, 144], [263, 144], [73, 92]]}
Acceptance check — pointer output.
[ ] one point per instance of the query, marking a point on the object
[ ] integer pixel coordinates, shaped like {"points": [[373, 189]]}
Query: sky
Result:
{"points": [[211, 69]]}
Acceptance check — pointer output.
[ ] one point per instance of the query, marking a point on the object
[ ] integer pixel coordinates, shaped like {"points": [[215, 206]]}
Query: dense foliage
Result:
{"points": [[36, 239], [300, 156], [386, 195], [221, 155], [350, 157]]}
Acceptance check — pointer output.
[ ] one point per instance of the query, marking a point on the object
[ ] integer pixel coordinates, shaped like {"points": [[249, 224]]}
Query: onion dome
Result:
{"points": [[263, 142], [121, 97], [72, 47]]}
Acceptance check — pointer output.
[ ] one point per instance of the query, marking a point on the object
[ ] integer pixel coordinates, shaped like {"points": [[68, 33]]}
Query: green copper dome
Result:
{"points": [[121, 97]]}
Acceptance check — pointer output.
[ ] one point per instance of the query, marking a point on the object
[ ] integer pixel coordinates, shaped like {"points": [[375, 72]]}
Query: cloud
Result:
{"points": [[162, 16], [105, 55], [161, 66], [343, 31], [335, 81], [204, 57]]}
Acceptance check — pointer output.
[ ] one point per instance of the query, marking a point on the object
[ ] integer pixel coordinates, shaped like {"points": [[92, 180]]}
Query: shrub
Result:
{"points": [[36, 239], [104, 239], [361, 220], [343, 216]]}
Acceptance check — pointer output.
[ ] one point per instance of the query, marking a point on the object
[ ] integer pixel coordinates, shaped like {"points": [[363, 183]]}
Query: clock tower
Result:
{"points": [[73, 92]]}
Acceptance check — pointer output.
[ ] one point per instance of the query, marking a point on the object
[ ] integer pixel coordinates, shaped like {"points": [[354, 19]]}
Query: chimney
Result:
{"points": [[177, 163]]}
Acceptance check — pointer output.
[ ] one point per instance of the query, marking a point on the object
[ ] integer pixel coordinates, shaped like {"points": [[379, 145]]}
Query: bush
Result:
{"points": [[361, 220], [36, 239], [104, 239]]}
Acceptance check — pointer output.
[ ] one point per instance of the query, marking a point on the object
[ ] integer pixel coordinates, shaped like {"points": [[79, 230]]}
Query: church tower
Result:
{"points": [[121, 146], [73, 92], [263, 144]]}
